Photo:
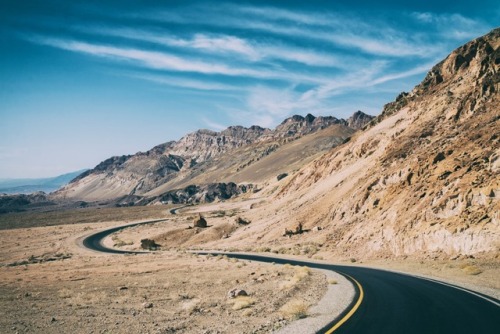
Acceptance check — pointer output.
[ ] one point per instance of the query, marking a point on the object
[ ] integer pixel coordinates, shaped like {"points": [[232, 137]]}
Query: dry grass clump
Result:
{"points": [[308, 249], [117, 242], [472, 270], [294, 309], [242, 302], [65, 293], [191, 306], [300, 274]]}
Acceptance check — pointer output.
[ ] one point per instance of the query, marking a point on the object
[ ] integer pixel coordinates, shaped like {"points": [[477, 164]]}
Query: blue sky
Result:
{"points": [[85, 80]]}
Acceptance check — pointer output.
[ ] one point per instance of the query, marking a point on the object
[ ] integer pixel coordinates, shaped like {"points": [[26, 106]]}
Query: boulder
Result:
{"points": [[149, 244], [236, 293]]}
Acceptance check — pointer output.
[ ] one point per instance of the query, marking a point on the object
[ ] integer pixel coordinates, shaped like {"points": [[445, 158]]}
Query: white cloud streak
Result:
{"points": [[169, 62], [451, 26], [227, 45], [337, 30], [174, 81]]}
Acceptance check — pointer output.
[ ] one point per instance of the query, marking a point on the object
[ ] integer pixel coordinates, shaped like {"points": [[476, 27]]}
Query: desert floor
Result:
{"points": [[50, 284]]}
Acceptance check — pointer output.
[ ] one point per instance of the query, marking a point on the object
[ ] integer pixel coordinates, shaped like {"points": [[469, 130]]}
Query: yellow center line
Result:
{"points": [[352, 311]]}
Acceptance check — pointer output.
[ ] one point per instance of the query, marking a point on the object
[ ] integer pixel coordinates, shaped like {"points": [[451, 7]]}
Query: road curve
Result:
{"points": [[390, 302], [95, 241]]}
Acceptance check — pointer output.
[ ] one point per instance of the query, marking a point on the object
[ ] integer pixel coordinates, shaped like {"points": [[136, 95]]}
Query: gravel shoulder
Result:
{"points": [[336, 299]]}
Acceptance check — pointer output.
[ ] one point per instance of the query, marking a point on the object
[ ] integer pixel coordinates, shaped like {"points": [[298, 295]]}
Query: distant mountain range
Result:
{"points": [[29, 186], [235, 155]]}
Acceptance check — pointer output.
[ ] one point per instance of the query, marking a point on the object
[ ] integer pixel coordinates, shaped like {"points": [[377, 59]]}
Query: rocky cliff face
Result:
{"points": [[141, 173], [423, 178]]}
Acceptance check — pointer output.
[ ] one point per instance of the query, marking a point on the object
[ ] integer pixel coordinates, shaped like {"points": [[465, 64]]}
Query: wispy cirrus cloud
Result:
{"points": [[266, 105], [227, 45], [347, 31], [333, 53], [170, 62], [150, 59], [175, 81], [453, 25]]}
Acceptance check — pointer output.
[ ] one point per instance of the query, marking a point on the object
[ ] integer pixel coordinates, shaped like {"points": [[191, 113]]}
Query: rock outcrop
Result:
{"points": [[208, 193]]}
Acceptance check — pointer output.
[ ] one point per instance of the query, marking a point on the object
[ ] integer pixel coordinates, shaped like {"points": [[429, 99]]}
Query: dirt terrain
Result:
{"points": [[50, 285]]}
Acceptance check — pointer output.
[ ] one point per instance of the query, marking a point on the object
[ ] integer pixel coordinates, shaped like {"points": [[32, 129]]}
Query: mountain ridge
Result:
{"points": [[141, 173]]}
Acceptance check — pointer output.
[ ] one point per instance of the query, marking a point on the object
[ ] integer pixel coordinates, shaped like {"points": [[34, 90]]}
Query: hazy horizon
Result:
{"points": [[84, 82]]}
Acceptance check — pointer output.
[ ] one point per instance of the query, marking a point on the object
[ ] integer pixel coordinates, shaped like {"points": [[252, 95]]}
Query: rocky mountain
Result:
{"points": [[358, 120], [202, 157], [422, 179]]}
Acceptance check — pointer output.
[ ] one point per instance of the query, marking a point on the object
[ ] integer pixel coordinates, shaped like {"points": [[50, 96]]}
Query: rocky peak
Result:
{"points": [[466, 76], [250, 134], [299, 126], [358, 120], [309, 118]]}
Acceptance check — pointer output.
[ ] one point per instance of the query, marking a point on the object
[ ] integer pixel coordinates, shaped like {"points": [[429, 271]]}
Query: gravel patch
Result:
{"points": [[334, 302]]}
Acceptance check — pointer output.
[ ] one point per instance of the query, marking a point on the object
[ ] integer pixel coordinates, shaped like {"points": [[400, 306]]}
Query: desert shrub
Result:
{"points": [[294, 309], [149, 244], [300, 274], [65, 293], [472, 270], [241, 221], [242, 302]]}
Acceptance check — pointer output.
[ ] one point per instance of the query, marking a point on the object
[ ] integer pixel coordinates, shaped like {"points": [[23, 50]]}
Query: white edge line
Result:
{"points": [[458, 288]]}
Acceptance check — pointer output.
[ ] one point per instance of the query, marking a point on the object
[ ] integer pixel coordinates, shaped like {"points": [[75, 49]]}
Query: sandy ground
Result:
{"points": [[49, 285]]}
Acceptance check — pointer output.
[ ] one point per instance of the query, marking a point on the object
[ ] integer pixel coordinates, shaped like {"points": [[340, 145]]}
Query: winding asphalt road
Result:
{"points": [[387, 302], [95, 241]]}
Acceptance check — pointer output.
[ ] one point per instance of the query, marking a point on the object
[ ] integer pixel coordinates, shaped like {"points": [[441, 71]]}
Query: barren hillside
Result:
{"points": [[422, 179]]}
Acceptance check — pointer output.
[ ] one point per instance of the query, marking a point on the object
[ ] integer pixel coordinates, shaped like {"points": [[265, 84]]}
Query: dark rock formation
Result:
{"points": [[22, 202], [204, 194], [200, 222], [281, 176]]}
